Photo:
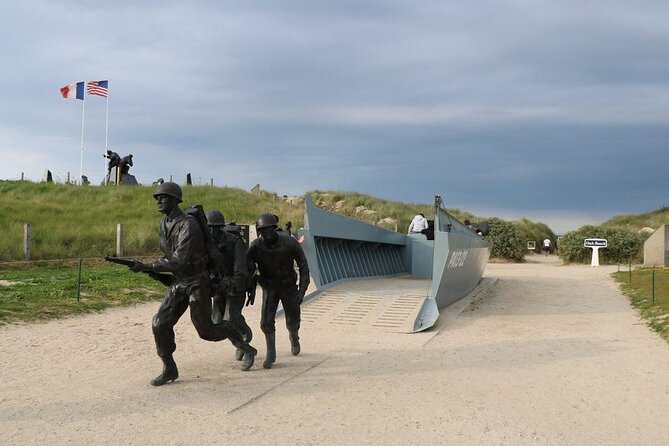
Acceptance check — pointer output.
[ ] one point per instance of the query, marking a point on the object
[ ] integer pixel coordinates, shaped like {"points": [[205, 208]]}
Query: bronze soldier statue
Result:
{"points": [[274, 254], [125, 163], [229, 279], [114, 160], [185, 257]]}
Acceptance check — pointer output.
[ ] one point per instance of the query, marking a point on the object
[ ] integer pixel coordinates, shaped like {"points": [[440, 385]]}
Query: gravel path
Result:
{"points": [[547, 354]]}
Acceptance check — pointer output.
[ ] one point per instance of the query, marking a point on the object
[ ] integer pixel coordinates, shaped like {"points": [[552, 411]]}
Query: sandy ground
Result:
{"points": [[547, 354]]}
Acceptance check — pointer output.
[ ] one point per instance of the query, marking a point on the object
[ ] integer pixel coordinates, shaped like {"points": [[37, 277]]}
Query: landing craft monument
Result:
{"points": [[432, 274]]}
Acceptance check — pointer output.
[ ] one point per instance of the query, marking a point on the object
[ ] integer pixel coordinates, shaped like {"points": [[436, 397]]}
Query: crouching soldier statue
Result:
{"points": [[183, 245], [229, 280], [274, 254]]}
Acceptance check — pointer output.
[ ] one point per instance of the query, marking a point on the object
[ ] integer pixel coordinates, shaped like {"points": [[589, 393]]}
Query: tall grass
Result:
{"points": [[401, 212], [70, 221], [635, 222]]}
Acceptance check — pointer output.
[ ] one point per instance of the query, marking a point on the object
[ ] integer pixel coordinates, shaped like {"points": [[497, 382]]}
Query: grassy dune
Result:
{"points": [[635, 222], [69, 221]]}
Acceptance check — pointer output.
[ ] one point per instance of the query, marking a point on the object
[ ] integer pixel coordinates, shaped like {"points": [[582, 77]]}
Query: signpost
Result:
{"points": [[595, 244]]}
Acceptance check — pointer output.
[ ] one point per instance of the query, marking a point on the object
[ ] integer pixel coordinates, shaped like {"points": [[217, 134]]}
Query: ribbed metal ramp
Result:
{"points": [[388, 304]]}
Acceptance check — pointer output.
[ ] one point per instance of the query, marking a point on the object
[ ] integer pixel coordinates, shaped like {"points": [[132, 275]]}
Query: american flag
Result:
{"points": [[99, 88]]}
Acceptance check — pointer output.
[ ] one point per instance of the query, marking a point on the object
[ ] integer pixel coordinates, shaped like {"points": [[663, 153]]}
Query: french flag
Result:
{"points": [[73, 91]]}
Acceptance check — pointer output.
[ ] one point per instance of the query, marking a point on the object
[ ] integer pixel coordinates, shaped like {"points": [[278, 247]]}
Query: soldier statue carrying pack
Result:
{"points": [[229, 279], [185, 257]]}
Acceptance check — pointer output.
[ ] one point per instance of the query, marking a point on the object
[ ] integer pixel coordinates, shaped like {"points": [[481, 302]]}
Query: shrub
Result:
{"points": [[623, 245], [536, 232], [506, 239]]}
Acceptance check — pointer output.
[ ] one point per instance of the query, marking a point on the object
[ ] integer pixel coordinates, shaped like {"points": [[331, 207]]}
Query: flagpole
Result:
{"points": [[107, 120], [83, 114], [104, 177]]}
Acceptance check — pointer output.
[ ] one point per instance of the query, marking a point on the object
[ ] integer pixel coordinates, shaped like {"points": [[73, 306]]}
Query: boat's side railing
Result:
{"points": [[340, 248], [349, 259]]}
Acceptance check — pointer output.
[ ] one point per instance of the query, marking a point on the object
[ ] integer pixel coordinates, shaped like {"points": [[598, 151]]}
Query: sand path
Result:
{"points": [[548, 354]]}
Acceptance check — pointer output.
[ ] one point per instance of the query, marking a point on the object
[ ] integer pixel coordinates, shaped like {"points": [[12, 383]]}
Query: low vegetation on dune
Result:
{"points": [[79, 222], [640, 223], [68, 221]]}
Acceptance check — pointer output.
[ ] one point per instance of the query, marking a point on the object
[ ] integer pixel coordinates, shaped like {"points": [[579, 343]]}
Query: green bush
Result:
{"points": [[623, 245], [506, 239], [536, 232]]}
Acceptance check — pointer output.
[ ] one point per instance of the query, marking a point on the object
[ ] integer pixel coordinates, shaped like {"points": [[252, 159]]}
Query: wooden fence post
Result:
{"points": [[26, 241], [119, 240]]}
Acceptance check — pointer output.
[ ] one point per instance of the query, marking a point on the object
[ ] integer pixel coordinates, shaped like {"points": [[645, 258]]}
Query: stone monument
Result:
{"points": [[119, 172]]}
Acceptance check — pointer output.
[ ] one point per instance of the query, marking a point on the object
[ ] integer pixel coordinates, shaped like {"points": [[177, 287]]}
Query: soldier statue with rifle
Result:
{"points": [[229, 280], [185, 257], [114, 160], [275, 254]]}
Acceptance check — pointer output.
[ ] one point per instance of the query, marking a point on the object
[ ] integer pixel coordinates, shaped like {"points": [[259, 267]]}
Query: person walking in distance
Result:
{"points": [[547, 246], [183, 244], [275, 254], [229, 282]]}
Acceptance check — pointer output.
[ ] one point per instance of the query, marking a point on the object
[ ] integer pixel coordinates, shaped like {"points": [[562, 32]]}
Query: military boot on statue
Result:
{"points": [[170, 372], [249, 358], [294, 343], [270, 339], [245, 331]]}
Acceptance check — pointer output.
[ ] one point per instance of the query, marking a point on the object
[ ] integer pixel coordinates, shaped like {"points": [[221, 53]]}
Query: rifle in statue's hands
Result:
{"points": [[165, 279]]}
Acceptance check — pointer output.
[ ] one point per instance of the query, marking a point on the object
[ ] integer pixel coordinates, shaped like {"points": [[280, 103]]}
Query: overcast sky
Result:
{"points": [[556, 111]]}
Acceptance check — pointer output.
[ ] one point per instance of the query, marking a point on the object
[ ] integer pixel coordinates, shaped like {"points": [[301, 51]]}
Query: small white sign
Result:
{"points": [[595, 243]]}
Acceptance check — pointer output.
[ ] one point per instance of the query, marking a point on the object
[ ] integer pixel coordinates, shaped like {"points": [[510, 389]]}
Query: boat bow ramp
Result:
{"points": [[368, 276]]}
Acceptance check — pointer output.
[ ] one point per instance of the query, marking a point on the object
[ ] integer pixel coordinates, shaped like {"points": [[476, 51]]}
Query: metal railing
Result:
{"points": [[347, 259]]}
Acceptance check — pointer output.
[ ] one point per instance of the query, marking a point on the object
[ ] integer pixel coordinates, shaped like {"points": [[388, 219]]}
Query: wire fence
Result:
{"points": [[47, 289], [650, 283], [75, 266]]}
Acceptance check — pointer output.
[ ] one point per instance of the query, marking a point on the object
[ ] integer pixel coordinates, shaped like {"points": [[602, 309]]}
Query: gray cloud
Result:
{"points": [[552, 108]]}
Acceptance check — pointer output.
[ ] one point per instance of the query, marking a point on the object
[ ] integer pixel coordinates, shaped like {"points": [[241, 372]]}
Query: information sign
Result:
{"points": [[595, 244]]}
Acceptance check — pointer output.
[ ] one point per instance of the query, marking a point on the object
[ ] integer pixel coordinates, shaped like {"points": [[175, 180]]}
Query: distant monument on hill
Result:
{"points": [[118, 169]]}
